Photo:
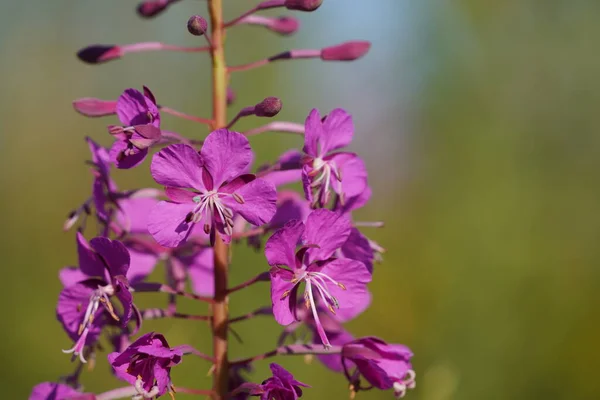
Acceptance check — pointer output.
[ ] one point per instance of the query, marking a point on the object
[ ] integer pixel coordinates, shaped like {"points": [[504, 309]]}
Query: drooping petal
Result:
{"points": [[373, 373], [55, 391], [122, 292], [226, 155], [161, 374], [259, 199], [70, 275], [71, 307], [358, 248], [126, 161], [306, 182], [133, 213], [178, 165], [290, 205], [353, 172], [100, 157], [167, 223], [355, 202], [326, 229], [114, 253], [338, 337], [120, 366], [280, 248], [100, 198], [338, 129], [89, 262], [133, 108], [200, 269], [283, 301], [142, 263], [354, 276], [313, 132]]}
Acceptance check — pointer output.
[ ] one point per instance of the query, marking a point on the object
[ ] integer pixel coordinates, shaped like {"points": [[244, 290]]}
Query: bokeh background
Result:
{"points": [[478, 122]]}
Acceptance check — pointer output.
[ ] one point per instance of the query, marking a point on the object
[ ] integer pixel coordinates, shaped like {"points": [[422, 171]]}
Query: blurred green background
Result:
{"points": [[478, 122]]}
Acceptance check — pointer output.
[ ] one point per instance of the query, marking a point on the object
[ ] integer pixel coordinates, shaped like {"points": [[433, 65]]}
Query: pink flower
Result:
{"points": [[217, 188]]}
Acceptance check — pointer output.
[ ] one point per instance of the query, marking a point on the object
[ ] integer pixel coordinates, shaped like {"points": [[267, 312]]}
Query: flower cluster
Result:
{"points": [[210, 196]]}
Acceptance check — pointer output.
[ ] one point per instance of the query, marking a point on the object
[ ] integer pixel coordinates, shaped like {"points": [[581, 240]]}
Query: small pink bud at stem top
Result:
{"points": [[92, 107], [269, 107], [197, 25], [303, 5], [151, 8], [99, 53], [348, 51]]}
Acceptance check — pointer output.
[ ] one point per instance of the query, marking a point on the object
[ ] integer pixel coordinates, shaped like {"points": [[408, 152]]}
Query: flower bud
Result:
{"points": [[91, 107], [269, 107], [99, 53], [284, 25], [149, 9], [303, 5], [197, 25], [348, 51]]}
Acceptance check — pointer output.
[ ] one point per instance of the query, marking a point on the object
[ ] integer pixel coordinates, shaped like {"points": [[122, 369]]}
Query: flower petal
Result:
{"points": [[70, 275], [280, 178], [358, 248], [142, 264], [290, 205], [200, 269], [53, 391], [226, 155], [133, 213], [178, 165], [338, 129], [133, 109], [122, 161], [353, 172], [71, 307], [328, 230], [354, 276], [283, 305], [167, 223], [313, 132], [259, 201], [280, 248], [114, 253], [89, 262]]}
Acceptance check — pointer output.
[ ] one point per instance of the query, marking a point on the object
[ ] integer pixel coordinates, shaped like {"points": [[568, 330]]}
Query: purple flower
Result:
{"points": [[146, 364], [337, 283], [281, 386], [219, 188], [57, 391], [325, 170], [141, 127], [384, 366], [84, 305]]}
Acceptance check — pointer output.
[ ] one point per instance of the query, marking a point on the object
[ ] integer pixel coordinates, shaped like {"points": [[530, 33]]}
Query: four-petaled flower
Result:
{"points": [[384, 366], [219, 188], [103, 267], [139, 115], [325, 170], [146, 364], [336, 283], [281, 386]]}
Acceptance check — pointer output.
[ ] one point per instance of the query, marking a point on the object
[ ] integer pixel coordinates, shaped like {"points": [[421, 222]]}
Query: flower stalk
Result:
{"points": [[221, 250]]}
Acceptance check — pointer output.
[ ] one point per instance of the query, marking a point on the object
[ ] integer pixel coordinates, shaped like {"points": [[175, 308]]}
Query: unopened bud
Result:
{"points": [[269, 107], [303, 5], [284, 25], [230, 96], [149, 9], [197, 25], [348, 51], [91, 107], [99, 53]]}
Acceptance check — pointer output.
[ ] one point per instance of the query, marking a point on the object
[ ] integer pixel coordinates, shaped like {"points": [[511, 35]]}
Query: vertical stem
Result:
{"points": [[221, 262]]}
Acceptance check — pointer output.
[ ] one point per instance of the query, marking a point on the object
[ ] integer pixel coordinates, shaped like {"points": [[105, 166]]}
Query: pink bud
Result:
{"points": [[99, 53], [197, 25], [303, 5], [149, 9], [269, 107], [230, 96], [348, 51], [91, 107], [284, 25]]}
